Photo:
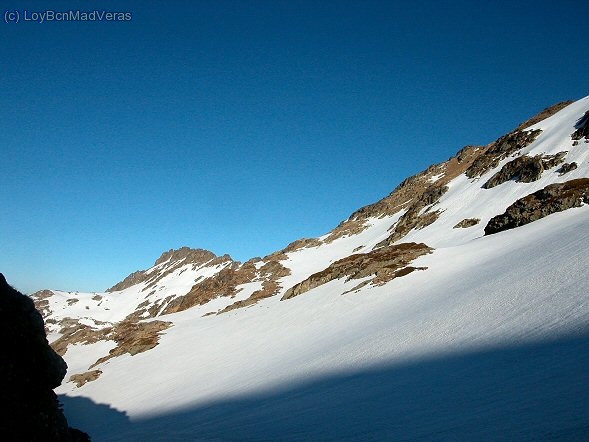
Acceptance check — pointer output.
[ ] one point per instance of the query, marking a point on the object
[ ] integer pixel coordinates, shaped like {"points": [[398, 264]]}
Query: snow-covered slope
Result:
{"points": [[348, 336]]}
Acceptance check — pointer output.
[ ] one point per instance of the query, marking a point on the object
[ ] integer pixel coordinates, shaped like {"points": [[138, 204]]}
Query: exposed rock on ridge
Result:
{"points": [[501, 149], [223, 283], [472, 160], [269, 274], [410, 194], [548, 112], [416, 217]]}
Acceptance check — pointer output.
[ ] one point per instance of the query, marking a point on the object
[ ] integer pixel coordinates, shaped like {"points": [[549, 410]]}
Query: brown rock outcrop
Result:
{"points": [[416, 217], [382, 264], [223, 283], [131, 336], [566, 168], [412, 191], [467, 222], [83, 378], [553, 198], [269, 274], [501, 149], [525, 169]]}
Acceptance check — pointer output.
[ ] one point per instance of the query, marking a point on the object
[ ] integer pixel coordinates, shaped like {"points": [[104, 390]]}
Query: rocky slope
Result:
{"points": [[481, 190]]}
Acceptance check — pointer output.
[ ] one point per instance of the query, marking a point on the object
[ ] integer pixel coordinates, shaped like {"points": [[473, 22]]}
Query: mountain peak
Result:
{"points": [[167, 263], [187, 254]]}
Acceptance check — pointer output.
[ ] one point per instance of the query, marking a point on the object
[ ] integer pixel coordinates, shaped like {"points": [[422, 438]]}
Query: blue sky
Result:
{"points": [[240, 126]]}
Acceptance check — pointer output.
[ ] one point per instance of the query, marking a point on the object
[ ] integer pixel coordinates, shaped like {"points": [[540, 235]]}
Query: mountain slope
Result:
{"points": [[407, 279]]}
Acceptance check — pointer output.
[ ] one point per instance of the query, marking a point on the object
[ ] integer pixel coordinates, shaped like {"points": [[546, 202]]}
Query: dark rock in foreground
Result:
{"points": [[29, 372]]}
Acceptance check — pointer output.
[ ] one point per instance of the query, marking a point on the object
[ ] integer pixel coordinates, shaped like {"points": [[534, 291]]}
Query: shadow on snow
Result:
{"points": [[531, 392]]}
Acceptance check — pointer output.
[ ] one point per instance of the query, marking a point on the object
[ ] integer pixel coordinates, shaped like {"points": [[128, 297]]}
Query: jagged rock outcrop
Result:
{"points": [[466, 223], [382, 265], [83, 378], [133, 338], [566, 168], [416, 217], [501, 149], [553, 198], [582, 128], [29, 372], [525, 169]]}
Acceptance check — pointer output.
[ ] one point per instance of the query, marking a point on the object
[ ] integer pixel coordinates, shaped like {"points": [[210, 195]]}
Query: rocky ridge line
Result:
{"points": [[176, 258]]}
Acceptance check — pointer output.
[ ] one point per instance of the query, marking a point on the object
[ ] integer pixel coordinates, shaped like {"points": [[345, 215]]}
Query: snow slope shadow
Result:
{"points": [[531, 392], [99, 420]]}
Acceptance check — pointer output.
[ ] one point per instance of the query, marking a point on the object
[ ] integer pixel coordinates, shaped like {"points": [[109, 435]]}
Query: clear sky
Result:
{"points": [[240, 126]]}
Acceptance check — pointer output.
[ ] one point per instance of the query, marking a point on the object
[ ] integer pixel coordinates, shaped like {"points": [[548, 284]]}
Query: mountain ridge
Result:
{"points": [[464, 157], [413, 201]]}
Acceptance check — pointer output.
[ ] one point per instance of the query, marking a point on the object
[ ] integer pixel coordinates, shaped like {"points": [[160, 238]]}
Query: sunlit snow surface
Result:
{"points": [[491, 342]]}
